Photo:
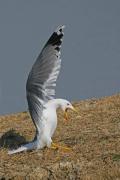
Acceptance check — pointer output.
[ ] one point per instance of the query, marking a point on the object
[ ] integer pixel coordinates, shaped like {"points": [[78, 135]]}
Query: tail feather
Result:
{"points": [[25, 147]]}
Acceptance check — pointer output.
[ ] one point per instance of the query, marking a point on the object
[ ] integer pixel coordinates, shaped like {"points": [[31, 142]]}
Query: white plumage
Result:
{"points": [[40, 90]]}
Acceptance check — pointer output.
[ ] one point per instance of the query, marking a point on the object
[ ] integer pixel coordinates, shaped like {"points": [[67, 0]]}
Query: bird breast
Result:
{"points": [[50, 120]]}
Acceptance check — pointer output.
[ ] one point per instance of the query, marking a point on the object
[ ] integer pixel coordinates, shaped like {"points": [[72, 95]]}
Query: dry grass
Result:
{"points": [[93, 135]]}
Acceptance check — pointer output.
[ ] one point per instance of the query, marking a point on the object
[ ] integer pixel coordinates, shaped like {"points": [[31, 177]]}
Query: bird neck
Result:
{"points": [[55, 103]]}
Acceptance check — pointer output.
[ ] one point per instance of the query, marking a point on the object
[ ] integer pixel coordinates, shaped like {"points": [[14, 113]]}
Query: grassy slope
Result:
{"points": [[93, 135]]}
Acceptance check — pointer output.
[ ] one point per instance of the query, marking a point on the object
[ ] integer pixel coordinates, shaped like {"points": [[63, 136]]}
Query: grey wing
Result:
{"points": [[42, 78]]}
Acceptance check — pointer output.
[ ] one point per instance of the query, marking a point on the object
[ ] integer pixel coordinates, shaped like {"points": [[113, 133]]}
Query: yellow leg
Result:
{"points": [[56, 146]]}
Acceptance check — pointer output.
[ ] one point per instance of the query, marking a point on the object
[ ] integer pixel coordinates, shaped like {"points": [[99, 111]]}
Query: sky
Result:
{"points": [[90, 50]]}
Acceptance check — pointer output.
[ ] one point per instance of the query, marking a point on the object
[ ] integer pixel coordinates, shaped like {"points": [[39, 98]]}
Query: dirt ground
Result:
{"points": [[93, 135]]}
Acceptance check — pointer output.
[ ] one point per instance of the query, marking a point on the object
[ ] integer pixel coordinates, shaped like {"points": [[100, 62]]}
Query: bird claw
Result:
{"points": [[56, 146]]}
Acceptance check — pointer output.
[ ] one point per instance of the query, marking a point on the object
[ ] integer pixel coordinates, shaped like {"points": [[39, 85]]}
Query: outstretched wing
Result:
{"points": [[42, 78]]}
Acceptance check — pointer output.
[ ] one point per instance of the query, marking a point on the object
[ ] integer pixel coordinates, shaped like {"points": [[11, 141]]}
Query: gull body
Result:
{"points": [[40, 91], [48, 126], [50, 121]]}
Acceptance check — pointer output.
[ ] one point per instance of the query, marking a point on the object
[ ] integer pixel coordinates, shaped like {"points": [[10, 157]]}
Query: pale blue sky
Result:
{"points": [[90, 51]]}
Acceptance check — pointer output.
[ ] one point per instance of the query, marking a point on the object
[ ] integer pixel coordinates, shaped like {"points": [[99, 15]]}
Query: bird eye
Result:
{"points": [[68, 104]]}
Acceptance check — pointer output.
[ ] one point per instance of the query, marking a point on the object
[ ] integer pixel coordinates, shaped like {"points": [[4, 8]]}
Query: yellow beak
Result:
{"points": [[75, 110]]}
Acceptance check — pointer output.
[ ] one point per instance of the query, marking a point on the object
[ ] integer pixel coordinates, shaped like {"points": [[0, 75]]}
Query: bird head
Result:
{"points": [[66, 105]]}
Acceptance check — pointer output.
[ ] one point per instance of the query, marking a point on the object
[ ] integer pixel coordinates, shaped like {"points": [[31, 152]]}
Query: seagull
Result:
{"points": [[40, 92]]}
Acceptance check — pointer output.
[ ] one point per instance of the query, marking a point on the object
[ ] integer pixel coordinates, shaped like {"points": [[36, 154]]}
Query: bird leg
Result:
{"points": [[56, 146]]}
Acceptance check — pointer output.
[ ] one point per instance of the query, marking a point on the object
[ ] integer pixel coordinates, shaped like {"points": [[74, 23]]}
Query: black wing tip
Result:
{"points": [[59, 29], [56, 38]]}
